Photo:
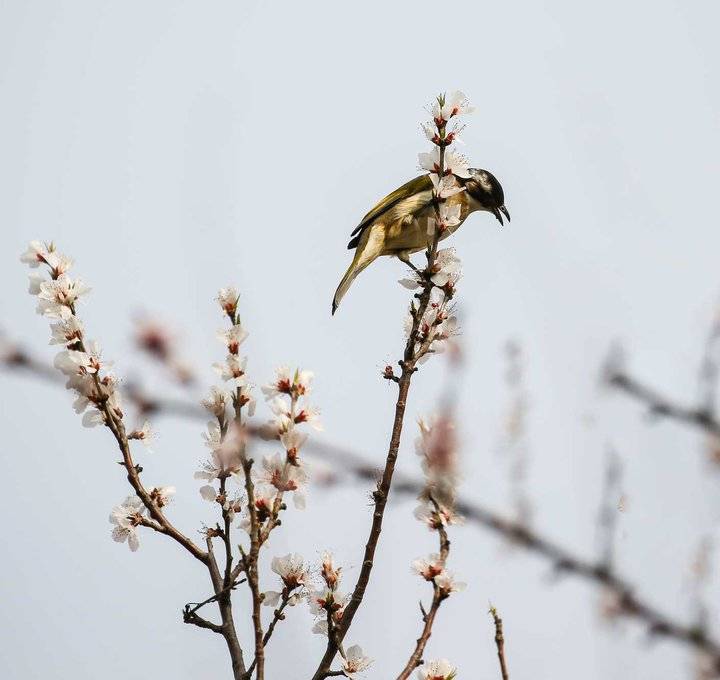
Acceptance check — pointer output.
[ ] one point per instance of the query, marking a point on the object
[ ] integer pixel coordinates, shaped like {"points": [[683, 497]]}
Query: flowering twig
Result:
{"points": [[500, 642], [425, 325]]}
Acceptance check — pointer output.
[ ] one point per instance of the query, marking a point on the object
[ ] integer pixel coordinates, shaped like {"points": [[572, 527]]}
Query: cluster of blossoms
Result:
{"points": [[279, 473], [436, 446], [437, 324], [294, 576], [328, 604], [128, 516], [97, 397], [80, 361]]}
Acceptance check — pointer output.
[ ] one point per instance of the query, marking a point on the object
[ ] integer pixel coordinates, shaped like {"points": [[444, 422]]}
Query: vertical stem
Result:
{"points": [[228, 625], [500, 643]]}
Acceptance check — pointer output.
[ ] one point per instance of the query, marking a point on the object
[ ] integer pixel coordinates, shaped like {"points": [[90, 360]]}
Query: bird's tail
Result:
{"points": [[345, 283], [356, 266]]}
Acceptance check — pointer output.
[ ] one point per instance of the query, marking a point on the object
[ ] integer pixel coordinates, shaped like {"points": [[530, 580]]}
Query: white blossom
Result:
{"points": [[93, 418], [162, 495], [295, 384], [434, 519], [453, 163], [208, 492], [228, 299], [217, 402], [446, 186], [145, 434], [233, 337], [291, 569], [213, 436], [284, 477], [455, 104], [293, 441], [245, 398], [232, 369], [428, 567], [355, 661], [449, 215], [126, 518], [66, 332], [57, 296], [448, 266], [37, 253], [440, 669], [447, 583]]}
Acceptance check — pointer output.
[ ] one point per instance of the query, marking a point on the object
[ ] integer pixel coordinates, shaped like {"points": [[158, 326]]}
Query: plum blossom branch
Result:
{"points": [[427, 326], [436, 447], [95, 387]]}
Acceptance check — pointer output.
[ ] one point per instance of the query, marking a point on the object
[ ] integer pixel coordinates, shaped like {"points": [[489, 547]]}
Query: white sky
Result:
{"points": [[175, 147]]}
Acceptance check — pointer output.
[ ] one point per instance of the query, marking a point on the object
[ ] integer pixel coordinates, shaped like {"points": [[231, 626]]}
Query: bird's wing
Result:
{"points": [[412, 188]]}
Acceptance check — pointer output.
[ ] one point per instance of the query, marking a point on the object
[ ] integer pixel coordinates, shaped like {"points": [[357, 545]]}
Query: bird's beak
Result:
{"points": [[505, 212], [498, 216]]}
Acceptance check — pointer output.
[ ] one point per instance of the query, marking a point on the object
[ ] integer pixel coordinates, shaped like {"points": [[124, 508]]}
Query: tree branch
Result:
{"points": [[500, 643]]}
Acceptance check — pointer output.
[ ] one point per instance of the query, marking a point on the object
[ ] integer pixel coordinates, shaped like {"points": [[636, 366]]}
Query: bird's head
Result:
{"points": [[484, 188]]}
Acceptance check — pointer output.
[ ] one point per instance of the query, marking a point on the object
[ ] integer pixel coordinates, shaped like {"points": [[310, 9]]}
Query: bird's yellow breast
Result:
{"points": [[405, 231]]}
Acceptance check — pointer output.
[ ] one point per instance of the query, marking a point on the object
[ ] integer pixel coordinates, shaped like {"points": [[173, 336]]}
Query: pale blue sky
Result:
{"points": [[175, 147]]}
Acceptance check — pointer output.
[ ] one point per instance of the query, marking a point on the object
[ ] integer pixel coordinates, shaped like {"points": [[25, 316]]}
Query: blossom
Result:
{"points": [[355, 661], [284, 477], [57, 297], [35, 281], [264, 500], [293, 441], [126, 518], [66, 332], [208, 492], [37, 253], [295, 384], [329, 572], [93, 418], [145, 434], [453, 104], [453, 163], [440, 669], [217, 402], [162, 495], [429, 567], [437, 446], [233, 337], [447, 584], [434, 519], [447, 267], [244, 398], [228, 300], [232, 369], [284, 418], [291, 569], [446, 186], [456, 164], [225, 459], [323, 602], [449, 216], [213, 436]]}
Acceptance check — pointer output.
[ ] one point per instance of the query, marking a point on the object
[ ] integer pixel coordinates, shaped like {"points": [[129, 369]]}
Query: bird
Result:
{"points": [[397, 225]]}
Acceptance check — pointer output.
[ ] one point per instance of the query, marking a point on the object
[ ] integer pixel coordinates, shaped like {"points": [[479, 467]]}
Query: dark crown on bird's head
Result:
{"points": [[487, 191]]}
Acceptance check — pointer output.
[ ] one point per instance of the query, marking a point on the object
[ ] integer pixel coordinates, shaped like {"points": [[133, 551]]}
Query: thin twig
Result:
{"points": [[500, 643]]}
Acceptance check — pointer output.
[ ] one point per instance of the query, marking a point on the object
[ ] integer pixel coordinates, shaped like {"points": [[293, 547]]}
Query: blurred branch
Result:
{"points": [[661, 406], [563, 561]]}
